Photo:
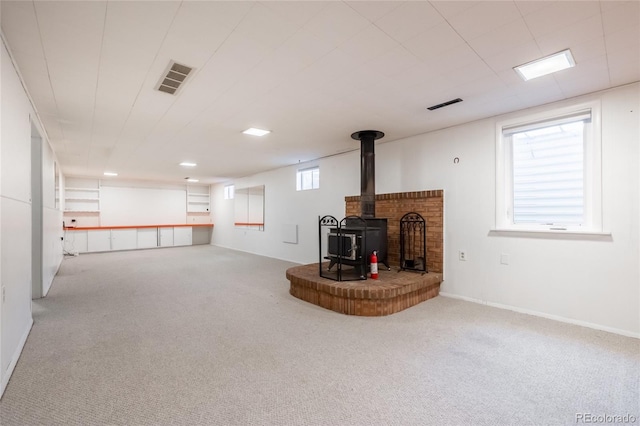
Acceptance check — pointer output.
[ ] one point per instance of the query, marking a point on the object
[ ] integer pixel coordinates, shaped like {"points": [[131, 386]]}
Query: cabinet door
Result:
{"points": [[166, 237], [124, 239], [147, 238], [99, 240], [182, 236], [75, 241]]}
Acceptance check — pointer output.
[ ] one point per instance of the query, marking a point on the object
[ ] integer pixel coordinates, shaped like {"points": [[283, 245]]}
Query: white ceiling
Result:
{"points": [[311, 72]]}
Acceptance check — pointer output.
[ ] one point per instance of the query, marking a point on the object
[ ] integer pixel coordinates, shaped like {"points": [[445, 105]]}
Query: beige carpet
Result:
{"points": [[206, 336]]}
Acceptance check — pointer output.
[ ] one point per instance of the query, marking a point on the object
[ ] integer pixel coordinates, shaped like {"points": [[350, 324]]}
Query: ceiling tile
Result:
{"points": [[454, 59], [484, 17], [337, 23], [592, 76], [297, 12], [368, 44], [31, 62], [139, 24], [20, 26], [627, 39], [503, 38], [87, 17], [394, 61], [433, 41], [192, 38], [265, 27], [449, 9], [626, 14], [530, 6], [374, 10], [67, 44], [513, 57], [559, 15], [624, 67], [409, 20], [304, 47], [586, 30]]}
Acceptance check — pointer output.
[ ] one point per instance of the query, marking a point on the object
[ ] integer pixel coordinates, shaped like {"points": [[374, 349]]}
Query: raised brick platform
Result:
{"points": [[393, 292]]}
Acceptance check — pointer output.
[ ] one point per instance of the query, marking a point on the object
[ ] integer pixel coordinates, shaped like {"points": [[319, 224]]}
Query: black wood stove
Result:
{"points": [[351, 241]]}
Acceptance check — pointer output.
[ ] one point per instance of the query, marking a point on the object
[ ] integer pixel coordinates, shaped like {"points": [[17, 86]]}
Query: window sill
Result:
{"points": [[551, 234]]}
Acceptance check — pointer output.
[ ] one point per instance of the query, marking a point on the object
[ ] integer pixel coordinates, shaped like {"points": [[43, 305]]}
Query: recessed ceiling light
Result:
{"points": [[110, 174], [192, 180], [256, 132], [547, 65], [187, 164]]}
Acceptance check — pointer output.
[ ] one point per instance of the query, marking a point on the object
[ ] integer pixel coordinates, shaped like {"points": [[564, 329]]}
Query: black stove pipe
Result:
{"points": [[367, 171]]}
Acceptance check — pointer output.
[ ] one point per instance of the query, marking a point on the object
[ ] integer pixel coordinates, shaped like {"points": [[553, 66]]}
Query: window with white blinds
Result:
{"points": [[308, 179], [549, 173]]}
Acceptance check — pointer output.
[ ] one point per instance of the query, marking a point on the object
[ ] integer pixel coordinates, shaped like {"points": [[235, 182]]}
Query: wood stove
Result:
{"points": [[351, 241]]}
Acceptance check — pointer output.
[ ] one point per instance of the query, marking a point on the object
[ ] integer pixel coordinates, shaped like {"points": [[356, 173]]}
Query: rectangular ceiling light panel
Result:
{"points": [[173, 78], [547, 65], [256, 132]]}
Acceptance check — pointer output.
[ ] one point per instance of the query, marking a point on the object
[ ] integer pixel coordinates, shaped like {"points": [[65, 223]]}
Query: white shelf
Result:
{"points": [[82, 196], [198, 200]]}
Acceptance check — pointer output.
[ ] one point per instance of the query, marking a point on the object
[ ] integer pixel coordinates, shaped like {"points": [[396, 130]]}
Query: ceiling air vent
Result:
{"points": [[444, 104], [174, 76]]}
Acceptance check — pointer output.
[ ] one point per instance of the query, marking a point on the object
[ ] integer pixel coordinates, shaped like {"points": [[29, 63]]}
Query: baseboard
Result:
{"points": [[14, 359], [53, 277], [544, 315]]}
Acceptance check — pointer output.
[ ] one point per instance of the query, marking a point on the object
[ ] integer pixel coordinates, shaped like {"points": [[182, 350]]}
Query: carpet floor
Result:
{"points": [[208, 336]]}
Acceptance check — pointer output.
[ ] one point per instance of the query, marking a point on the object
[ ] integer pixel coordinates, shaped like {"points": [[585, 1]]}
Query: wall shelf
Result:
{"points": [[82, 196], [198, 199]]}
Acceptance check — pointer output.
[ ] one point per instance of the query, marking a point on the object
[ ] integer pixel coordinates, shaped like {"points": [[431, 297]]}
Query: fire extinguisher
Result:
{"points": [[374, 266]]}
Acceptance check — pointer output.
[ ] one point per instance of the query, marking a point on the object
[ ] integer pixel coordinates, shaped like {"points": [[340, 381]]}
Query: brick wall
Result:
{"points": [[430, 204]]}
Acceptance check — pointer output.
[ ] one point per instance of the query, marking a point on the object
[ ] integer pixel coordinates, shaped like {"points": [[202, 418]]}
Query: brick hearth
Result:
{"points": [[393, 292]]}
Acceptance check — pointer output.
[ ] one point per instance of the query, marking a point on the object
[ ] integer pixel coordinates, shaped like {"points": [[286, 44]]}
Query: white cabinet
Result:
{"points": [[182, 236], [75, 241], [198, 199], [147, 238], [124, 239], [96, 240], [99, 240], [165, 237]]}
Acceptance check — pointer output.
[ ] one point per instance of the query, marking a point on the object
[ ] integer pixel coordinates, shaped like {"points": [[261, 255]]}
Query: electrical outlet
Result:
{"points": [[4, 294], [462, 255]]}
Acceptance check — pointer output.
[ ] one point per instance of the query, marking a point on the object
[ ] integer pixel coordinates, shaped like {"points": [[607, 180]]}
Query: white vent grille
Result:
{"points": [[173, 78]]}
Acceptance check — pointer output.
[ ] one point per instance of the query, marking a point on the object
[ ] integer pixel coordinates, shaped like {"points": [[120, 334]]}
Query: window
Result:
{"points": [[308, 179], [548, 172], [229, 192]]}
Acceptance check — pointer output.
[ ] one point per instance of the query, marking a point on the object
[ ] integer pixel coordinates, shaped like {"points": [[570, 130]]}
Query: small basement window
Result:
{"points": [[229, 191], [308, 179], [549, 173]]}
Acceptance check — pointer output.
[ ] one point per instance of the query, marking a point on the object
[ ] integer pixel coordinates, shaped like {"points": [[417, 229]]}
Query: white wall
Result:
{"points": [[51, 220], [339, 176], [594, 282], [15, 218], [142, 206], [134, 203]]}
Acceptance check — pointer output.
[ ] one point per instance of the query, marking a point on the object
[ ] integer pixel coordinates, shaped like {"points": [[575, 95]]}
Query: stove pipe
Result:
{"points": [[367, 171]]}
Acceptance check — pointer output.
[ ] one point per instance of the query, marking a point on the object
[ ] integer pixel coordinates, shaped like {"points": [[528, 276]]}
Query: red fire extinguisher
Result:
{"points": [[374, 266]]}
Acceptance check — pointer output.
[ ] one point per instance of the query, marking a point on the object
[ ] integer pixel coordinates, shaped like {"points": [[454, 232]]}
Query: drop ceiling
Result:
{"points": [[310, 72]]}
